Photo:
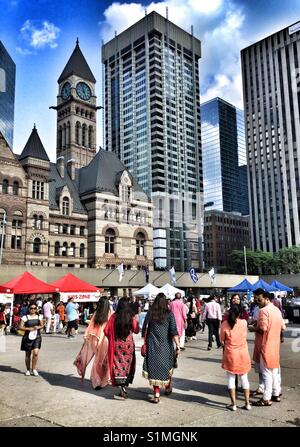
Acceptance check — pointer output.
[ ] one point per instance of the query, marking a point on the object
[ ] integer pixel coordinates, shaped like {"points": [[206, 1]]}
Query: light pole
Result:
{"points": [[245, 258], [3, 223]]}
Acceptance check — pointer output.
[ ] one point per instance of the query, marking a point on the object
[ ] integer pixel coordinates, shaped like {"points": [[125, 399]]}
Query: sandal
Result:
{"points": [[262, 403], [257, 392], [155, 400], [275, 399], [168, 390]]}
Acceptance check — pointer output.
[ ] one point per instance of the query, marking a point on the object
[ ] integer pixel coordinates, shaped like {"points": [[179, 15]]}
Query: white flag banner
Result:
{"points": [[120, 269], [212, 275], [173, 275]]}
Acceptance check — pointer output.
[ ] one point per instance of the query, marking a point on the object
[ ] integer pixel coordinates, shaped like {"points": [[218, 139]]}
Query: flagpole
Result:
{"points": [[181, 276], [245, 258], [156, 279], [134, 275], [108, 275]]}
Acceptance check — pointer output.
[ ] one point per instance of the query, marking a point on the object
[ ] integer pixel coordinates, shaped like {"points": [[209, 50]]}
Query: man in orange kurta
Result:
{"points": [[267, 347]]}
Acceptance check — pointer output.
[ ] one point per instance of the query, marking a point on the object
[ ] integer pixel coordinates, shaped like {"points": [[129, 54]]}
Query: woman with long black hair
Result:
{"points": [[160, 331], [236, 359], [121, 349], [95, 345], [31, 324]]}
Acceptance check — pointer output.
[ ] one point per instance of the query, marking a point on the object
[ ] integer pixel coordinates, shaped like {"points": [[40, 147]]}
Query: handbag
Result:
{"points": [[32, 335], [144, 346]]}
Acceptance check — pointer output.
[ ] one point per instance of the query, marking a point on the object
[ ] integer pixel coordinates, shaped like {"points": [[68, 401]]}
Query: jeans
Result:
{"points": [[213, 329]]}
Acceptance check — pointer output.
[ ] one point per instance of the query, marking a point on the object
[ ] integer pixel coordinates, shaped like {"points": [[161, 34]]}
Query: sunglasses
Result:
{"points": [[32, 308]]}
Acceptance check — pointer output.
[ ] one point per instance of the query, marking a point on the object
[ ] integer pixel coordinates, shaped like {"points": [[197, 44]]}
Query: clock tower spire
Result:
{"points": [[76, 111]]}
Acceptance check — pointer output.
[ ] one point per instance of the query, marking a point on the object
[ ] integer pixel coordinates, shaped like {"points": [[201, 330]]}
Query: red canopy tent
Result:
{"points": [[70, 283], [4, 290], [26, 284]]}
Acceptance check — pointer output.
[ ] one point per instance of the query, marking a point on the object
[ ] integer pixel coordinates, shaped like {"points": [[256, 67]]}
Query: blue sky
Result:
{"points": [[40, 35]]}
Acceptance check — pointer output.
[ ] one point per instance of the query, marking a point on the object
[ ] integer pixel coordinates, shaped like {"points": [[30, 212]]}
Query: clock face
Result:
{"points": [[66, 90], [83, 91]]}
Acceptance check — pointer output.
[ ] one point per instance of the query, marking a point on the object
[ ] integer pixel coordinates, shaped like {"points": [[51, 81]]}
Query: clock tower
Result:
{"points": [[76, 111]]}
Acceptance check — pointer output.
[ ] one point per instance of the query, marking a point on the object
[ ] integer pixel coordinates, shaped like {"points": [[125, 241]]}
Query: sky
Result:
{"points": [[40, 36]]}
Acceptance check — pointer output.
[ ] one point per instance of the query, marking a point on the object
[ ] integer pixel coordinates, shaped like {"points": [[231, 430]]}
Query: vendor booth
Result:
{"points": [[70, 286], [27, 284], [148, 292], [170, 291]]}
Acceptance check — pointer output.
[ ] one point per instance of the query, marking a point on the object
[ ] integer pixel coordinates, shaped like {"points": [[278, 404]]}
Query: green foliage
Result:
{"points": [[286, 260]]}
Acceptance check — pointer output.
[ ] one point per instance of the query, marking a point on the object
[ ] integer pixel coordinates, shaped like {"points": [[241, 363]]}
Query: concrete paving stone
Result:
{"points": [[199, 395]]}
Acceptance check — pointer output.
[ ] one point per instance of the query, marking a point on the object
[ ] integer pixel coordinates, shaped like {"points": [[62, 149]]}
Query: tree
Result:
{"points": [[288, 260], [258, 262]]}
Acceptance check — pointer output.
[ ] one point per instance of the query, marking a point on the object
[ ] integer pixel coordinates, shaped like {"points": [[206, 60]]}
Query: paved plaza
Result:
{"points": [[57, 398]]}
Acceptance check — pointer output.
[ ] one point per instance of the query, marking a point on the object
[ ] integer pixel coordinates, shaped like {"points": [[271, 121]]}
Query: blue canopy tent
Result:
{"points": [[244, 286], [281, 286], [261, 284]]}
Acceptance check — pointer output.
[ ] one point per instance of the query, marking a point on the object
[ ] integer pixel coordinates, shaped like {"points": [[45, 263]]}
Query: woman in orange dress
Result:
{"points": [[96, 345], [236, 358]]}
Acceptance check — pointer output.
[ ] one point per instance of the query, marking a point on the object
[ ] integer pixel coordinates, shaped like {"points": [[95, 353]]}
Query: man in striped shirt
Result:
{"points": [[213, 316]]}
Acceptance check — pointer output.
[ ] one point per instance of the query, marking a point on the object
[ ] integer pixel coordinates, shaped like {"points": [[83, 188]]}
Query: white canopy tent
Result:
{"points": [[170, 291], [149, 291]]}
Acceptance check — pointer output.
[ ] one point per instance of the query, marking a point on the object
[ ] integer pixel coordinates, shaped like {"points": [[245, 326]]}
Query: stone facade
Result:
{"points": [[85, 210]]}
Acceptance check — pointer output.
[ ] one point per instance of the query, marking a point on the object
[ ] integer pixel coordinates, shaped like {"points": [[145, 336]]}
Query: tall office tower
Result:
{"points": [[270, 70], [224, 157], [7, 95], [152, 119]]}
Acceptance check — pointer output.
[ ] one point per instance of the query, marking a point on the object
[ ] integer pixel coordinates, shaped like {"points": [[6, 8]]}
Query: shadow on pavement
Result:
{"points": [[69, 381], [205, 359]]}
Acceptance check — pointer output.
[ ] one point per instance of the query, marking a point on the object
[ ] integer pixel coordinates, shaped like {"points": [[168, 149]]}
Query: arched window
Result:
{"points": [[77, 130], [40, 223], [34, 221], [59, 142], [64, 249], [68, 137], [72, 249], [90, 136], [140, 244], [66, 206], [37, 245], [3, 222], [17, 220], [16, 188], [56, 248], [81, 251], [110, 237], [5, 186], [84, 135]]}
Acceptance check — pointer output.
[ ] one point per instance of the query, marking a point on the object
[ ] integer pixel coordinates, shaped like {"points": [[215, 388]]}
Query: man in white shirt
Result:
{"points": [[48, 312], [212, 316]]}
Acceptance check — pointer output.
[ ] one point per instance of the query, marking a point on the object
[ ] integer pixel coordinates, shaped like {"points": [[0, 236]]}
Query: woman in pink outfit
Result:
{"points": [[96, 345], [236, 358]]}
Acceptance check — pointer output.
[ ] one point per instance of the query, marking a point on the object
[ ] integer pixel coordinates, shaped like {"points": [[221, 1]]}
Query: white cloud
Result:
{"points": [[217, 23], [24, 51], [40, 34]]}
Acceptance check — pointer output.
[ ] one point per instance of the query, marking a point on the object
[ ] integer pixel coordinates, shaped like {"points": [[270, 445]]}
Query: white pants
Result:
{"points": [[48, 324], [271, 380], [182, 339], [231, 381]]}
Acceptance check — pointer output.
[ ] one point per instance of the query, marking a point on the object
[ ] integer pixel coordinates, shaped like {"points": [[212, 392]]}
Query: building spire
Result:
{"points": [[77, 42]]}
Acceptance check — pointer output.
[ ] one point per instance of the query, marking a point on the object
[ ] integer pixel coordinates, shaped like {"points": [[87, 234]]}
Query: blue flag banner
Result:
{"points": [[146, 271], [193, 275]]}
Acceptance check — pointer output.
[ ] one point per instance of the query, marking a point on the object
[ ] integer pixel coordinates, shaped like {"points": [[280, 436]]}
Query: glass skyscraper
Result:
{"points": [[224, 157], [270, 70], [152, 117], [7, 94]]}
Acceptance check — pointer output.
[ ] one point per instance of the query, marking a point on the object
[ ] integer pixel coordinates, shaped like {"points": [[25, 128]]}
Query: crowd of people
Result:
{"points": [[167, 326]]}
